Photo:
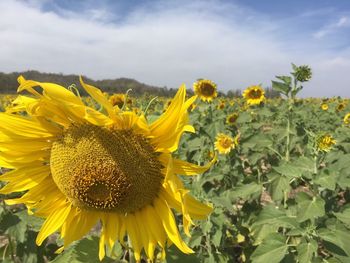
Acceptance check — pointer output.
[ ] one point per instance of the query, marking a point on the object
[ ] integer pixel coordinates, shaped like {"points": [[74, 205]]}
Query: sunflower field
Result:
{"points": [[203, 178]]}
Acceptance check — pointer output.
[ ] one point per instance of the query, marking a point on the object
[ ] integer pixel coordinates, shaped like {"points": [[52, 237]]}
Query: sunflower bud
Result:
{"points": [[302, 73]]}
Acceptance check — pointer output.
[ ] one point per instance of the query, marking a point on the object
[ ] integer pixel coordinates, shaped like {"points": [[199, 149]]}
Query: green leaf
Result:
{"points": [[216, 238], [272, 250], [281, 87], [33, 222], [339, 236], [174, 255], [344, 216], [84, 250], [279, 184], [326, 180], [273, 216], [286, 79], [306, 251], [245, 191], [12, 225], [310, 209]]}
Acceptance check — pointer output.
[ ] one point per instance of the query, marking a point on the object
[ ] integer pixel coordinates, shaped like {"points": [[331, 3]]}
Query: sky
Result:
{"points": [[166, 43]]}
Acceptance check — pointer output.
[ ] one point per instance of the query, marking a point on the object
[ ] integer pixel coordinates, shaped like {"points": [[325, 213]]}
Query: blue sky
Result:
{"points": [[166, 43]]}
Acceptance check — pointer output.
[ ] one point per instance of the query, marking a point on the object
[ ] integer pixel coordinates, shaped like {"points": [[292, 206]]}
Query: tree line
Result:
{"points": [[9, 84]]}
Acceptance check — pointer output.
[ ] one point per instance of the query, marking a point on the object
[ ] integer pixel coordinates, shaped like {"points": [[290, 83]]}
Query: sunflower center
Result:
{"points": [[255, 94], [226, 143], [232, 118], [207, 89], [98, 168]]}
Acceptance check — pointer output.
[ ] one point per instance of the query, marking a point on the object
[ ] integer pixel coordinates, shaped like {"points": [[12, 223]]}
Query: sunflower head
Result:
{"points": [[254, 95], [324, 106], [232, 118], [117, 100], [79, 166], [221, 105], [325, 142], [302, 73], [225, 143], [205, 89], [341, 106]]}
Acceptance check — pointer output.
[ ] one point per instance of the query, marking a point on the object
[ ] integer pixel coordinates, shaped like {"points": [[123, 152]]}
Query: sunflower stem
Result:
{"points": [[126, 99], [149, 104], [74, 87]]}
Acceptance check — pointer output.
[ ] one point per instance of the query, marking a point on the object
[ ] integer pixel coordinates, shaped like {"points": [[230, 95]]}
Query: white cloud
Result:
{"points": [[332, 27], [233, 46]]}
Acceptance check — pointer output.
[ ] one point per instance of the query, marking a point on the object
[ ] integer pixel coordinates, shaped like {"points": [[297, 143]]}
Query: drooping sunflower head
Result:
{"points": [[324, 106], [325, 142], [232, 118], [225, 143], [205, 89], [254, 95], [117, 100], [79, 166]]}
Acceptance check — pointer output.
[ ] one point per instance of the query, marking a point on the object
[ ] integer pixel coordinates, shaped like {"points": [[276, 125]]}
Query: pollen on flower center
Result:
{"points": [[255, 94], [207, 89], [99, 168]]}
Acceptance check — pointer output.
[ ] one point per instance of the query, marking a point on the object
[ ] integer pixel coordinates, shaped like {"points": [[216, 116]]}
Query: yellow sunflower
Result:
{"points": [[79, 167], [225, 143], [205, 89], [117, 100], [254, 95], [221, 105], [324, 106], [347, 118], [232, 118], [325, 142]]}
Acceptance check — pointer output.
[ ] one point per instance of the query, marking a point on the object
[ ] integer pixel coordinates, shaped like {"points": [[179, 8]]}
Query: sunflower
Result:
{"points": [[225, 143], [341, 106], [205, 89], [254, 95], [324, 106], [221, 105], [117, 100], [80, 167], [325, 142], [347, 118], [232, 118]]}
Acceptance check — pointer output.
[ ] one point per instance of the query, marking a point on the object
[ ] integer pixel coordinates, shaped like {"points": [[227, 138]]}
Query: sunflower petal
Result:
{"points": [[169, 225], [54, 221]]}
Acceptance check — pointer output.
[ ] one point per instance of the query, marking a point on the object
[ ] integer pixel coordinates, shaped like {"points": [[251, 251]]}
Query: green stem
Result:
{"points": [[11, 248], [315, 164], [149, 104], [288, 138]]}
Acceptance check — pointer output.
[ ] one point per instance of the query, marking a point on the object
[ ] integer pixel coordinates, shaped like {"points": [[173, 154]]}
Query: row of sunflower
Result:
{"points": [[201, 178]]}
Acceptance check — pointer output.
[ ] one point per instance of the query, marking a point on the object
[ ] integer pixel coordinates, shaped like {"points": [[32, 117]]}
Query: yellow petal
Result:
{"points": [[169, 224], [24, 178], [51, 90], [186, 168], [99, 97], [25, 127], [78, 223], [53, 222], [154, 224], [134, 235]]}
